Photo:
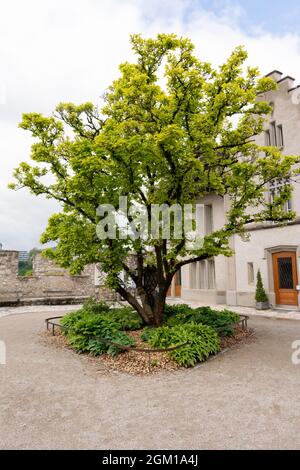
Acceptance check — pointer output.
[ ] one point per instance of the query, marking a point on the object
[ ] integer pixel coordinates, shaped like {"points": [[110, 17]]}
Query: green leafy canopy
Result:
{"points": [[155, 140]]}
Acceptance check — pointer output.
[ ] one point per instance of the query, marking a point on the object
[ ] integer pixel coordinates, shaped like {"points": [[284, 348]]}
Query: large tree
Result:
{"points": [[157, 138]]}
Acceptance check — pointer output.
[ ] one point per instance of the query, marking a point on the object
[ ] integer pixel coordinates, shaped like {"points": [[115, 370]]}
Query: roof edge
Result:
{"points": [[274, 71]]}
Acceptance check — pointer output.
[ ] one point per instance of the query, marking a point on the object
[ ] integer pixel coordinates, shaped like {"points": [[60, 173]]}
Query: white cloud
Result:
{"points": [[69, 50]]}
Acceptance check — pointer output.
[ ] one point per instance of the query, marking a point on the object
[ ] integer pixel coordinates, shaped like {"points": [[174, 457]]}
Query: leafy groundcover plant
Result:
{"points": [[201, 341], [222, 321], [94, 321], [198, 330]]}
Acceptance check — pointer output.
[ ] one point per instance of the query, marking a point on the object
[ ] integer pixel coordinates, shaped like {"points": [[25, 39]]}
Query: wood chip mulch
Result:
{"points": [[240, 335], [137, 363]]}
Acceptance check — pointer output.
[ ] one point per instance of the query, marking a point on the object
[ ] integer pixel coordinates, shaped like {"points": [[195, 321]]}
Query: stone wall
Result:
{"points": [[48, 283]]}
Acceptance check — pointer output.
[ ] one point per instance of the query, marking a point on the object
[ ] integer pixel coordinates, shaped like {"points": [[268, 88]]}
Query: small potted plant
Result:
{"points": [[262, 301]]}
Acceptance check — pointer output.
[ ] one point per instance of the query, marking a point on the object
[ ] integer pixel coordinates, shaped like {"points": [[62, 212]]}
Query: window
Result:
{"points": [[285, 271], [202, 274], [275, 187], [250, 268], [211, 273], [268, 138], [208, 219], [193, 275], [273, 133], [280, 135]]}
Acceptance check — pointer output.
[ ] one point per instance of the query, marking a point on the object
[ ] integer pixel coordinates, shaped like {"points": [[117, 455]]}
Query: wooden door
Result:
{"points": [[169, 293], [285, 278], [175, 287], [178, 284]]}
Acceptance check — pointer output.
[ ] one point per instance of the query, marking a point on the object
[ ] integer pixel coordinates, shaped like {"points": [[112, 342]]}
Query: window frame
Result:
{"points": [[274, 189], [280, 139], [250, 272]]}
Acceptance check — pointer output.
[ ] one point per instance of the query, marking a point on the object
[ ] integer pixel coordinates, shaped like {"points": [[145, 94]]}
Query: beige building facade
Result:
{"points": [[274, 250]]}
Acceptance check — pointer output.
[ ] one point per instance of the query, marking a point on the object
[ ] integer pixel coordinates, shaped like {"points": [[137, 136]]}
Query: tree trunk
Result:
{"points": [[154, 305], [152, 302], [159, 311], [151, 309]]}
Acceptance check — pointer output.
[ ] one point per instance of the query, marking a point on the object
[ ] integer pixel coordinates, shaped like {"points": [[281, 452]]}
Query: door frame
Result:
{"points": [[175, 288], [285, 254], [178, 283], [268, 258]]}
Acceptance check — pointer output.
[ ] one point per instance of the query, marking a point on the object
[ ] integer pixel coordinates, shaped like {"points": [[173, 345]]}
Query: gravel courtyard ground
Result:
{"points": [[246, 398]]}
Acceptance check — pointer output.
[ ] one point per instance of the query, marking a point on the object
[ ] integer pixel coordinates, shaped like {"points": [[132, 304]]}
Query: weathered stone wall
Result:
{"points": [[48, 283], [8, 275], [45, 267]]}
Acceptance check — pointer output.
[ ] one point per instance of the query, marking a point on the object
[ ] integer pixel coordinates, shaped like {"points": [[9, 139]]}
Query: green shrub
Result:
{"points": [[92, 306], [260, 293], [147, 333], [93, 325], [87, 326], [171, 310], [83, 329], [220, 320], [78, 342], [68, 320], [201, 340], [97, 347], [126, 317]]}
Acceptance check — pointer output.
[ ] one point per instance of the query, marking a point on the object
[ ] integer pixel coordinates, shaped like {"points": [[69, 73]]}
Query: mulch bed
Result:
{"points": [[137, 363], [240, 335]]}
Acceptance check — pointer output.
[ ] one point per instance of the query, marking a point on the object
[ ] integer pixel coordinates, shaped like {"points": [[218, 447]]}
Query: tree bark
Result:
{"points": [[151, 305]]}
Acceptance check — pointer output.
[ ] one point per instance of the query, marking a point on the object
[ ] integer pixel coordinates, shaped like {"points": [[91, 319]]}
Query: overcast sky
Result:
{"points": [[69, 50]]}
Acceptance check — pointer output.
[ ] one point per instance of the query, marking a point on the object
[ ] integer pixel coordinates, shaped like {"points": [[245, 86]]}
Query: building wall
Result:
{"points": [[286, 105], [268, 238], [231, 274], [218, 293], [258, 250]]}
